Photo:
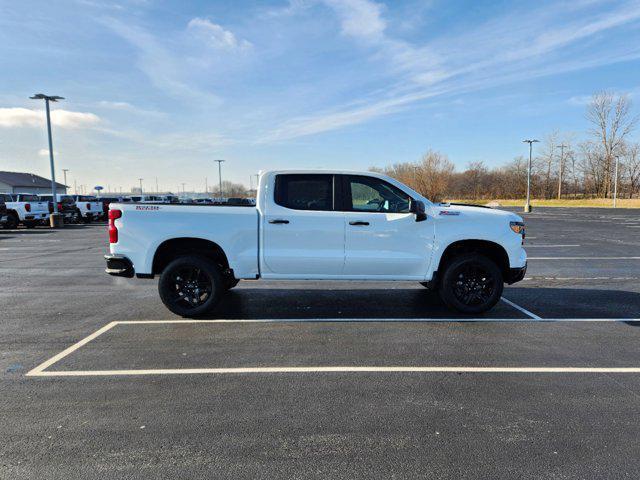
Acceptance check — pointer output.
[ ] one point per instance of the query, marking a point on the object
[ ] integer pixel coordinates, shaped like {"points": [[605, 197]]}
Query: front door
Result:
{"points": [[382, 237], [303, 234]]}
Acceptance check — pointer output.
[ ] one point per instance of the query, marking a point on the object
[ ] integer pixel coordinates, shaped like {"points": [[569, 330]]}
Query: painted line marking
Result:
{"points": [[549, 246], [583, 258], [336, 369], [71, 349], [39, 371], [521, 309], [580, 278]]}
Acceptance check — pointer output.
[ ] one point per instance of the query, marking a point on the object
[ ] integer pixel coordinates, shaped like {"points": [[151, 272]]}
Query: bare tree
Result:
{"points": [[631, 167], [546, 160], [611, 124]]}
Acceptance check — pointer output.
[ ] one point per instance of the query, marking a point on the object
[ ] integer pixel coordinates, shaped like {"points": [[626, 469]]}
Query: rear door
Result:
{"points": [[303, 234], [383, 238], [37, 204]]}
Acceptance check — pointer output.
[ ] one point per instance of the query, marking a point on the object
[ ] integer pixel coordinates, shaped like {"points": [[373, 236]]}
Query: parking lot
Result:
{"points": [[318, 379]]}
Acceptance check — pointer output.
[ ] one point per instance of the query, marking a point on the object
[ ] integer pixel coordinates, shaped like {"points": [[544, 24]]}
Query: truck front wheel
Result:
{"points": [[191, 285], [471, 283]]}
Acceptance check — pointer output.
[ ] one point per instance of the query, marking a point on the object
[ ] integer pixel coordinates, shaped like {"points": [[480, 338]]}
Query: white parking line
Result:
{"points": [[523, 310], [548, 246], [39, 371], [71, 349], [336, 369], [583, 258]]}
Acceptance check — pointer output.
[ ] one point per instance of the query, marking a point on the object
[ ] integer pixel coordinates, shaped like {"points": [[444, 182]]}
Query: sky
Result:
{"points": [[160, 89]]}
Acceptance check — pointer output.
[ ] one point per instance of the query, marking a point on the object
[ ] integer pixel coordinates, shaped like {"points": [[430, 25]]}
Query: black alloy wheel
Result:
{"points": [[190, 285], [471, 284], [12, 222]]}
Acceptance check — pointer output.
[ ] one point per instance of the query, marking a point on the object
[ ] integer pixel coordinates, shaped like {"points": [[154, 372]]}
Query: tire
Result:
{"points": [[12, 221], [191, 285], [471, 284], [230, 282]]}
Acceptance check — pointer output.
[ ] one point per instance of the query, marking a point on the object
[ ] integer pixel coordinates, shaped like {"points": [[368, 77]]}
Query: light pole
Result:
{"points": [[47, 99], [140, 180], [183, 192], [527, 206], [220, 175], [64, 171], [615, 182]]}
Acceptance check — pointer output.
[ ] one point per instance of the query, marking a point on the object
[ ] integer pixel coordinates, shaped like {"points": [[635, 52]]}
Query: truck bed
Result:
{"points": [[142, 228]]}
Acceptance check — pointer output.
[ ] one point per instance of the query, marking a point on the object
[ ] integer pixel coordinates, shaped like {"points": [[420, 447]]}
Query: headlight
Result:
{"points": [[517, 227]]}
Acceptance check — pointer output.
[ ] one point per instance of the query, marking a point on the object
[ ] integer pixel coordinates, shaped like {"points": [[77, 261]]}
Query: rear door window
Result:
{"points": [[28, 198], [305, 191]]}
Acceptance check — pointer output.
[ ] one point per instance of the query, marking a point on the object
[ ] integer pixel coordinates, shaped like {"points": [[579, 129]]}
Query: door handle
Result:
{"points": [[279, 220], [358, 222]]}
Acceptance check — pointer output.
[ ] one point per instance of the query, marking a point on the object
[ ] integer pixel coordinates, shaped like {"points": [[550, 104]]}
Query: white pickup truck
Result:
{"points": [[89, 207], [24, 208], [319, 225]]}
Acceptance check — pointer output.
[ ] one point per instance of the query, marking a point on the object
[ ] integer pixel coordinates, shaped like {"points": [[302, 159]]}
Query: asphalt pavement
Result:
{"points": [[324, 379]]}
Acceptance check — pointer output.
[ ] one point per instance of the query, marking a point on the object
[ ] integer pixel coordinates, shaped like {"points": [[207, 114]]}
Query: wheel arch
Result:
{"points": [[175, 247], [488, 248]]}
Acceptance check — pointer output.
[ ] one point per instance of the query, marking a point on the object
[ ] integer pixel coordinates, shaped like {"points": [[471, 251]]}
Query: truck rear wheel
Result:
{"points": [[191, 285], [12, 221], [471, 284]]}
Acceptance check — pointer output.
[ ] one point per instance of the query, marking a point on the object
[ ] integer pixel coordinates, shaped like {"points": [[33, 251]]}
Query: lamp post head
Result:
{"points": [[42, 96]]}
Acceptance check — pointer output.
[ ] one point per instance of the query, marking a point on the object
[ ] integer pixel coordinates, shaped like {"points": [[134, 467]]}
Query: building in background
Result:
{"points": [[18, 182]]}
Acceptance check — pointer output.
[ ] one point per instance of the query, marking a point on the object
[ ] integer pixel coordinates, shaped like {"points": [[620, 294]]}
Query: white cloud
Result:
{"points": [[164, 68], [359, 18], [215, 36], [25, 117], [509, 48]]}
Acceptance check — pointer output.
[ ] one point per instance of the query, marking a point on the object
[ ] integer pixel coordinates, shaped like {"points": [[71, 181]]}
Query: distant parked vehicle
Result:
{"points": [[24, 208], [170, 199], [66, 206], [4, 216], [240, 202], [203, 201], [150, 198], [89, 207], [106, 201]]}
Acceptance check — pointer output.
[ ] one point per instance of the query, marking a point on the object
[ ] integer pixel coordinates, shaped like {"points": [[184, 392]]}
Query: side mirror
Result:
{"points": [[417, 207]]}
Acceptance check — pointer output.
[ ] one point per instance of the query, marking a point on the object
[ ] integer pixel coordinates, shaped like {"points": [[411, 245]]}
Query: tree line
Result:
{"points": [[562, 167]]}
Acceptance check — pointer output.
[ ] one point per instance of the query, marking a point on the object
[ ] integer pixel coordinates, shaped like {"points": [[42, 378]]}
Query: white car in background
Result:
{"points": [[24, 208], [150, 198], [89, 207]]}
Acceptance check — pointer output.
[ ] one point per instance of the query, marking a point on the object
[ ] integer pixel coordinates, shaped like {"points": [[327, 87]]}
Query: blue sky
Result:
{"points": [[161, 88]]}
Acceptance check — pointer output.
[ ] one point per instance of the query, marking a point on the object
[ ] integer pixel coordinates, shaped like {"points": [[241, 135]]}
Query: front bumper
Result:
{"points": [[516, 274], [4, 219], [119, 266]]}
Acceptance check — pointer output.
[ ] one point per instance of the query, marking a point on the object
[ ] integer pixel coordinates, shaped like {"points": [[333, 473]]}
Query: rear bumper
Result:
{"points": [[516, 274], [119, 266]]}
